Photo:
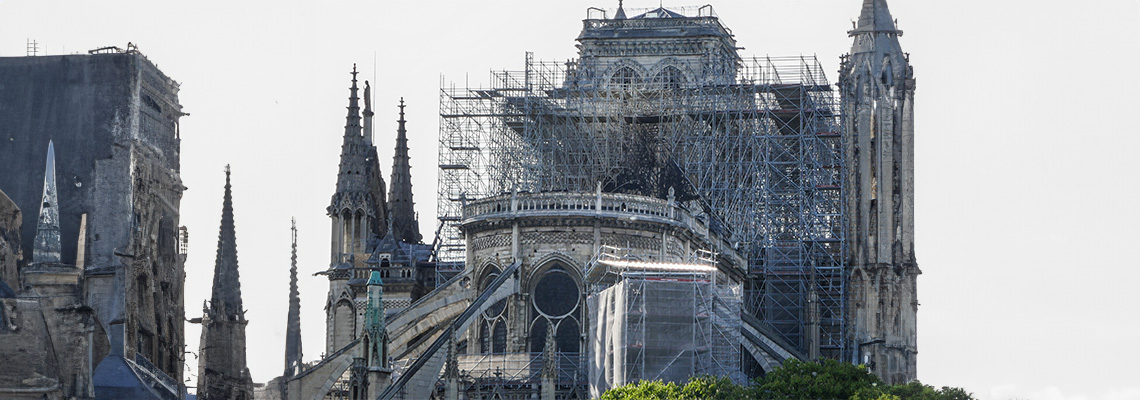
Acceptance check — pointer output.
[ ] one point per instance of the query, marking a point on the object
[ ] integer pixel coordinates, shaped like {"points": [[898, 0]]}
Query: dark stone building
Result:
{"points": [[111, 119]]}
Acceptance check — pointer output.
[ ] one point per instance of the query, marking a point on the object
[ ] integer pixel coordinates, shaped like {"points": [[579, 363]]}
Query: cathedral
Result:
{"points": [[657, 208]]}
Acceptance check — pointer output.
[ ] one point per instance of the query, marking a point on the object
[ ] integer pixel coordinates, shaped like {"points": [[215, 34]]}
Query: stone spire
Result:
{"points": [[357, 207], [876, 35], [620, 14], [293, 326], [877, 85], [401, 209], [222, 354], [225, 298], [46, 249], [353, 152]]}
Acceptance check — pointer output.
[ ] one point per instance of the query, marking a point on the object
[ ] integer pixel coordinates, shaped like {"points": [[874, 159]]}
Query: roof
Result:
{"points": [[660, 12]]}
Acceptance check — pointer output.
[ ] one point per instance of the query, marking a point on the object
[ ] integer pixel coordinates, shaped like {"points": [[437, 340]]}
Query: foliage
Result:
{"points": [[701, 387], [714, 388], [826, 379], [644, 390], [914, 390]]}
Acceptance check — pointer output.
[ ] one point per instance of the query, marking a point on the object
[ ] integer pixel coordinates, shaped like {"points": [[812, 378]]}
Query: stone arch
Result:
{"points": [[493, 322], [670, 73], [625, 75]]}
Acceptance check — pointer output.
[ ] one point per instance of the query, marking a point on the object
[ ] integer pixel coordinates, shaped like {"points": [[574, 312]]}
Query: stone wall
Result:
{"points": [[114, 122], [10, 250]]}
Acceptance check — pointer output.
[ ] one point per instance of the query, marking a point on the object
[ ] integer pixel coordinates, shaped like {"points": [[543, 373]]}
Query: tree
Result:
{"points": [[826, 379], [914, 390], [644, 390]]}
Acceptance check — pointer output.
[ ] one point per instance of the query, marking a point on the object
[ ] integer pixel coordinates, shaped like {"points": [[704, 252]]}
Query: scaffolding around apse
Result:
{"points": [[755, 152]]}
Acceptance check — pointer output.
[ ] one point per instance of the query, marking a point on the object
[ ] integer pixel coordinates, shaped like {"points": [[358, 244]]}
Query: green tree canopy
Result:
{"points": [[825, 379]]}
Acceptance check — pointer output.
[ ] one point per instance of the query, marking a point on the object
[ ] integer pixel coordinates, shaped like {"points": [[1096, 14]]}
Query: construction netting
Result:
{"points": [[667, 326]]}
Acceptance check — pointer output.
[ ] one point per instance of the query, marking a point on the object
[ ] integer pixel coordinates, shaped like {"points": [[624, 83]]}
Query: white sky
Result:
{"points": [[1026, 211]]}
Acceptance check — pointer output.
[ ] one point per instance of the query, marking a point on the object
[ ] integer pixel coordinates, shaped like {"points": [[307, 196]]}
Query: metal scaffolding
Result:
{"points": [[754, 151], [658, 319]]}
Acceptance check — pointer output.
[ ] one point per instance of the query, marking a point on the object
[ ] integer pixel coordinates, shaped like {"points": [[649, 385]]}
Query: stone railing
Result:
{"points": [[594, 205], [606, 205]]}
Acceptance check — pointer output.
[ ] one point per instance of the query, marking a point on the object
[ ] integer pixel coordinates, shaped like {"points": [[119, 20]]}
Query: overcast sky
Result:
{"points": [[1026, 139]]}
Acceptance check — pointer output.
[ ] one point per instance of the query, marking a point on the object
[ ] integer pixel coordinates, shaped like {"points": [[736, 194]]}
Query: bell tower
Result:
{"points": [[877, 89]]}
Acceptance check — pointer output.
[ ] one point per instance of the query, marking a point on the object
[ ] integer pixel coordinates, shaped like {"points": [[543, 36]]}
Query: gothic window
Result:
{"points": [[669, 78], [625, 79], [556, 303], [493, 328]]}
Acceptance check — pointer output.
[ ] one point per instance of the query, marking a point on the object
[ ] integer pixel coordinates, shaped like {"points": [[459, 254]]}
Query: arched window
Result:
{"points": [[625, 79], [493, 328], [669, 78], [556, 301]]}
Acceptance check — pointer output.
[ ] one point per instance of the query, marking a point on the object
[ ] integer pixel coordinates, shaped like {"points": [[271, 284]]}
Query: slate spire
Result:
{"points": [[876, 33], [401, 208], [876, 16], [293, 326], [223, 372], [226, 296], [353, 150], [46, 248]]}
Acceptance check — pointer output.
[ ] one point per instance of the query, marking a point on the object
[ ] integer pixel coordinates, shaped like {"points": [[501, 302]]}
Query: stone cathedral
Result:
{"points": [[659, 207]]}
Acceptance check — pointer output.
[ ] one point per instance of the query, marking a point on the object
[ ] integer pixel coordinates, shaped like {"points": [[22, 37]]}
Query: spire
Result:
{"points": [[352, 125], [875, 16], [620, 14], [353, 152], [226, 296], [881, 36], [400, 205], [875, 50], [222, 350], [293, 326], [47, 245]]}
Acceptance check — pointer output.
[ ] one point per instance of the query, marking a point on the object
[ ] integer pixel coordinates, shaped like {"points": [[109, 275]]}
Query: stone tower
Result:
{"points": [[405, 226], [222, 369], [877, 88], [358, 214], [293, 325]]}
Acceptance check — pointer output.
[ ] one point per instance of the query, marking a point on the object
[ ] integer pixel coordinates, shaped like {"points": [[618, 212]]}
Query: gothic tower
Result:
{"points": [[405, 227], [358, 215], [877, 88], [293, 324], [222, 370]]}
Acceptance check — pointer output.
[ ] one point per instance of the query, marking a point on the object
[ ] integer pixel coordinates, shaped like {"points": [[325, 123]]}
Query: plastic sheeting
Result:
{"points": [[667, 326]]}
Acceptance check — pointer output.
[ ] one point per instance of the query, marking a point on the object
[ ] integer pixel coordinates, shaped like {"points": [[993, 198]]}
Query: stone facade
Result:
{"points": [[10, 250], [110, 270], [556, 236], [877, 88]]}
